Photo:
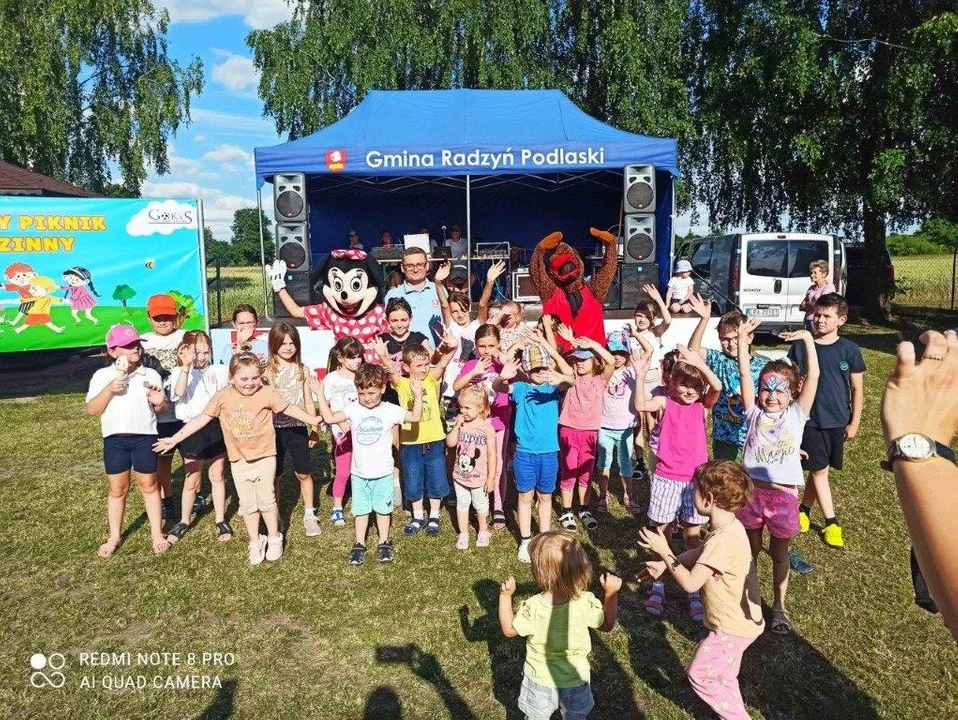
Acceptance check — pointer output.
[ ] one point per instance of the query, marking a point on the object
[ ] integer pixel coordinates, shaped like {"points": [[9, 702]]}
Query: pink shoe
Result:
{"points": [[482, 539], [462, 541]]}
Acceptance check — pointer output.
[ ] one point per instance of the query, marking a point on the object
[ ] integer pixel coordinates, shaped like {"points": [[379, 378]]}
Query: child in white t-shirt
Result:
{"points": [[127, 398], [680, 288], [371, 424]]}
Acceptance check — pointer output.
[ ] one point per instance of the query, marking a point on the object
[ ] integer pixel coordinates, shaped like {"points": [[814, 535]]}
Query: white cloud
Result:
{"points": [[226, 153], [199, 138], [255, 13], [222, 123], [164, 218], [236, 73]]}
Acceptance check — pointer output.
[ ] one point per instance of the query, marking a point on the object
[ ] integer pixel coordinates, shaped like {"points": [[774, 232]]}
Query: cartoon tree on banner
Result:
{"points": [[123, 293], [185, 304]]}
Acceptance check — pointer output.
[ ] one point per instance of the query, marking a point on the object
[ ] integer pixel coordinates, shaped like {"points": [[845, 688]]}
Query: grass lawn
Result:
{"points": [[236, 286], [419, 638]]}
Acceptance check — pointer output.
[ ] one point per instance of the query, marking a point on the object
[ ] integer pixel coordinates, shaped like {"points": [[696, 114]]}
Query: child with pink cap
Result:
{"points": [[127, 397]]}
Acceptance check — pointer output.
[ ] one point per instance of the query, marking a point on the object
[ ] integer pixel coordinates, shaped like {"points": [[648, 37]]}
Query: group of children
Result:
{"points": [[496, 389]]}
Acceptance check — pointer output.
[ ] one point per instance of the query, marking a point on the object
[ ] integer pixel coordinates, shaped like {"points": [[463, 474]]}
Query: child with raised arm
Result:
{"points": [[579, 424], [286, 372], [682, 448], [836, 414], [776, 415], [535, 463], [618, 424], [483, 372], [371, 471], [556, 624], [339, 388], [474, 469], [722, 570], [245, 410], [728, 415], [192, 385], [127, 398], [422, 443]]}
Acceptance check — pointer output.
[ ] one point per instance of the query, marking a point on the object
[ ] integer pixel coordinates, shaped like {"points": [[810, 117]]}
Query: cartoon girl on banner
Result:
{"points": [[38, 313], [81, 299]]}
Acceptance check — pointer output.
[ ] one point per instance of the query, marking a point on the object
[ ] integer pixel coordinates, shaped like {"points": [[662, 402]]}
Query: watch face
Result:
{"points": [[915, 446]]}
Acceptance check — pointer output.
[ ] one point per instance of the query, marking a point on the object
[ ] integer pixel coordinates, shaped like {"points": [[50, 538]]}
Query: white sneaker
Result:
{"points": [[274, 548], [311, 524], [524, 553], [257, 550]]}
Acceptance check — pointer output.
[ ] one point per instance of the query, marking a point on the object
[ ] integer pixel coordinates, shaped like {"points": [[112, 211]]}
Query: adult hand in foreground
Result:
{"points": [[923, 398]]}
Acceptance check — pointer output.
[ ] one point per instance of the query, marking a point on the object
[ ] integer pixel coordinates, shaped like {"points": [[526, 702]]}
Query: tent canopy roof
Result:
{"points": [[459, 132]]}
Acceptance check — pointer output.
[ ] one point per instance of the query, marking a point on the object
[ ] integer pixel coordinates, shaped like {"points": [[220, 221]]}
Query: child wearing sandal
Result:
{"points": [[127, 397], [371, 424], [287, 374], [681, 449], [192, 385], [776, 418], [535, 463], [556, 623], [618, 424], [482, 372], [474, 470], [339, 390], [722, 570], [422, 443], [579, 424], [245, 410]]}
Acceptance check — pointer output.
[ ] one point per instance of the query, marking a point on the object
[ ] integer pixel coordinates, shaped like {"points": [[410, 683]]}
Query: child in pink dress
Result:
{"points": [[81, 298]]}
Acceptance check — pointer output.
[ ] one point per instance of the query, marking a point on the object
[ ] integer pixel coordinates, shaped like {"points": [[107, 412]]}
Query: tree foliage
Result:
{"points": [[86, 85], [836, 115], [245, 245], [618, 60], [218, 252]]}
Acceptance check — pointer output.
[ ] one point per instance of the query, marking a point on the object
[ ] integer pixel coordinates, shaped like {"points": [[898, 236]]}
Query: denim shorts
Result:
{"points": [[535, 471], [538, 702], [122, 452], [424, 470]]}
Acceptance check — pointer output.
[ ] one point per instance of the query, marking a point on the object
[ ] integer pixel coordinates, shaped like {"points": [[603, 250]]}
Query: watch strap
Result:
{"points": [[942, 451]]}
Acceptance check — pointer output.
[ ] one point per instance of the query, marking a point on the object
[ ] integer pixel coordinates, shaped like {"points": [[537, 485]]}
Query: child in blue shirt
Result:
{"points": [[535, 463]]}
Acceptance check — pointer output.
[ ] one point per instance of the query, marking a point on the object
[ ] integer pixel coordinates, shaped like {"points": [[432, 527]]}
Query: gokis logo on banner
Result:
{"points": [[40, 662], [335, 160]]}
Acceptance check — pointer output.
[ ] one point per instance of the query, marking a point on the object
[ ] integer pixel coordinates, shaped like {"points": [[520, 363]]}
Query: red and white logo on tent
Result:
{"points": [[335, 160]]}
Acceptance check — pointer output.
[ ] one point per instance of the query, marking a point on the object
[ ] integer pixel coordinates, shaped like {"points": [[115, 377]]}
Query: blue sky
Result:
{"points": [[212, 159]]}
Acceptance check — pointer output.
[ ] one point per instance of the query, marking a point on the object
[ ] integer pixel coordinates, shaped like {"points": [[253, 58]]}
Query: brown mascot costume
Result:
{"points": [[558, 275]]}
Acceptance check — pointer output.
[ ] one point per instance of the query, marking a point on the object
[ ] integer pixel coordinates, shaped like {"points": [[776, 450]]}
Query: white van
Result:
{"points": [[764, 275]]}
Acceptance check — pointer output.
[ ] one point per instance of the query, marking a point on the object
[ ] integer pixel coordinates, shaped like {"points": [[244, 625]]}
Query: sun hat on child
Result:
{"points": [[534, 357], [617, 341], [160, 305], [683, 266], [121, 336]]}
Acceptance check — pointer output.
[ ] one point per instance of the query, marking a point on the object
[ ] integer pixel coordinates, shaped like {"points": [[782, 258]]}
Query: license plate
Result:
{"points": [[763, 312]]}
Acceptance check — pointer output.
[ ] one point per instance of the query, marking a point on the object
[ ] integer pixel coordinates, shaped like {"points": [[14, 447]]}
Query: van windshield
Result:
{"points": [[783, 258]]}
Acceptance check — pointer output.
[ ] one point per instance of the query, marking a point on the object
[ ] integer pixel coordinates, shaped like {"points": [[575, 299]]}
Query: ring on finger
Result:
{"points": [[934, 357]]}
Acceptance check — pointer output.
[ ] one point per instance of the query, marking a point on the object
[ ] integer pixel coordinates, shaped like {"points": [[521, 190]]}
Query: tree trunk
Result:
{"points": [[877, 292]]}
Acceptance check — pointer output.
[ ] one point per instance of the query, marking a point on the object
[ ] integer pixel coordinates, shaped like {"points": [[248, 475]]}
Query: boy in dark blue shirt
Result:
{"points": [[837, 412]]}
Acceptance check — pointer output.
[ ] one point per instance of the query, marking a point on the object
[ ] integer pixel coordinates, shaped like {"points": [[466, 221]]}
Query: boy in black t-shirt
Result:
{"points": [[837, 412]]}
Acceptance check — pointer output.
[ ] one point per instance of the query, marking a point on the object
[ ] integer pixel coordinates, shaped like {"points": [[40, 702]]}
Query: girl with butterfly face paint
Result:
{"points": [[775, 417]]}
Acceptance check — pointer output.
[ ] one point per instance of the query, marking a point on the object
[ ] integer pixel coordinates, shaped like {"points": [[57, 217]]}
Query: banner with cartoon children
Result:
{"points": [[72, 267]]}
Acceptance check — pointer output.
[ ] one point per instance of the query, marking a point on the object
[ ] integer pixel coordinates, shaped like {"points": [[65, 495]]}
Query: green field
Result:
{"points": [[236, 286], [314, 636], [925, 281]]}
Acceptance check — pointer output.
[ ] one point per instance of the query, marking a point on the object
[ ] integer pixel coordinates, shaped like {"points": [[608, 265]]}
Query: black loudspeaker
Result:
{"points": [[292, 246], [613, 300], [631, 280], [300, 287], [289, 197], [639, 239], [638, 188]]}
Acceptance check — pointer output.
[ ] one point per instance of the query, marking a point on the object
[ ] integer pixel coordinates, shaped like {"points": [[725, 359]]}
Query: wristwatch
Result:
{"points": [[915, 447]]}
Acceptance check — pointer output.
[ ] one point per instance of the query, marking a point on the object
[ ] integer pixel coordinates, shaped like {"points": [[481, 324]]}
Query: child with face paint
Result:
{"points": [[775, 417]]}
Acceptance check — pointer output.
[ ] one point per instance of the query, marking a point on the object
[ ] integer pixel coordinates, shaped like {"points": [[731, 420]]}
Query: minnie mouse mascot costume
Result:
{"points": [[351, 283]]}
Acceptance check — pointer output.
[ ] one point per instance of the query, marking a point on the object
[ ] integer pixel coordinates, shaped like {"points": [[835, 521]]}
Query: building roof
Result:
{"points": [[15, 180]]}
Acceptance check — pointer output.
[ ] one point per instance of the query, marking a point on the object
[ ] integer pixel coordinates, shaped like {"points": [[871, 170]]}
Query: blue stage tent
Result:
{"points": [[506, 165]]}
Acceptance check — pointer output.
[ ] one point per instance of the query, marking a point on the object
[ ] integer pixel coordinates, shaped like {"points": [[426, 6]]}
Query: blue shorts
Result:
{"points": [[610, 442], [539, 702], [372, 495], [122, 452], [424, 470], [535, 471]]}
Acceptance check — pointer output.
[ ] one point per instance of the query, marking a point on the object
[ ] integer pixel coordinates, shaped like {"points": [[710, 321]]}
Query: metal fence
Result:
{"points": [[926, 281], [229, 286]]}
